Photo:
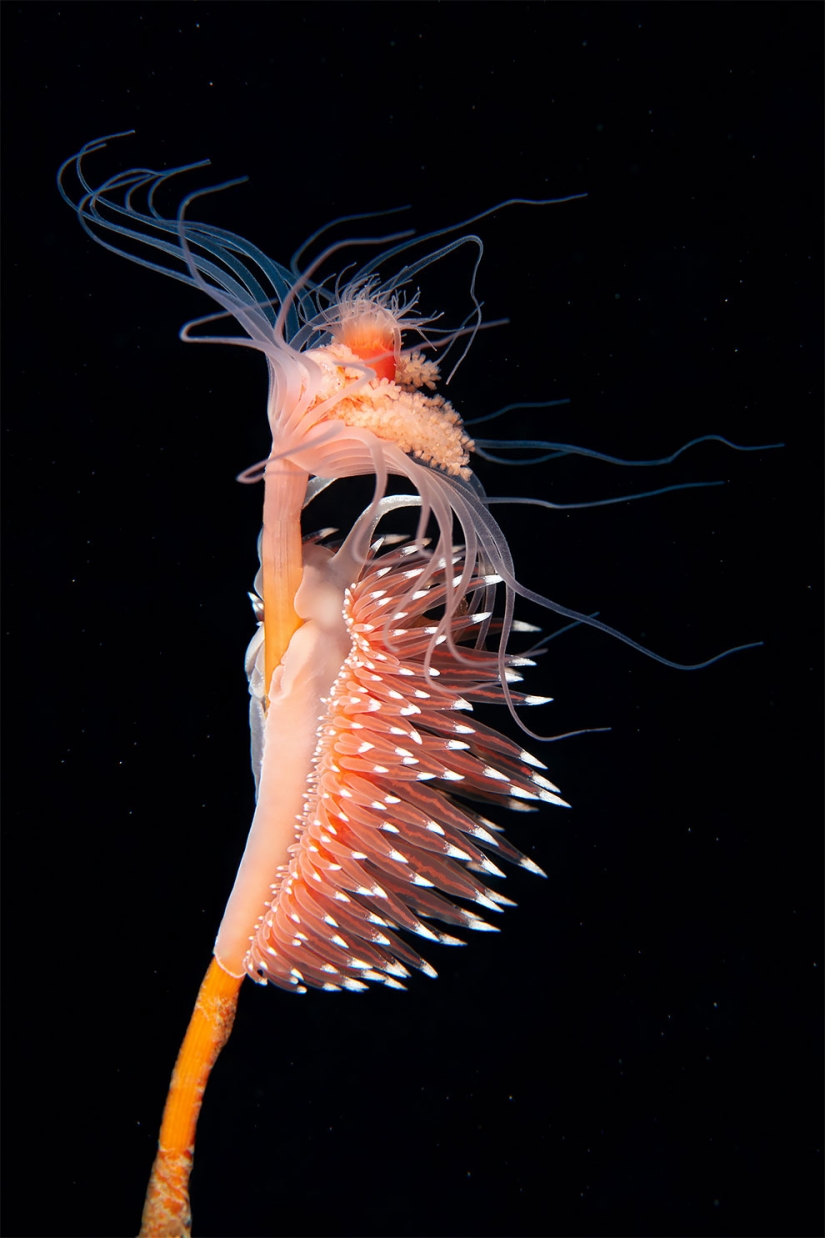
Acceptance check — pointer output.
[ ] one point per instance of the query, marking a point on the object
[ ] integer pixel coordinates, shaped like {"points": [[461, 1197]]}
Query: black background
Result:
{"points": [[638, 1052]]}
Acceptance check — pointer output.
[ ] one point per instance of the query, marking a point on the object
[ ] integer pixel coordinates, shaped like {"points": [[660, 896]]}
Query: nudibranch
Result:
{"points": [[357, 749]]}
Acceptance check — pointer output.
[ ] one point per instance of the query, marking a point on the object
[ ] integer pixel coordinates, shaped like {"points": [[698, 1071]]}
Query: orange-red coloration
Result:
{"points": [[372, 346]]}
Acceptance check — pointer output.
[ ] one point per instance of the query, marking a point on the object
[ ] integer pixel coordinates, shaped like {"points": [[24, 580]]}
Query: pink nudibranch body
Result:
{"points": [[352, 817], [299, 684]]}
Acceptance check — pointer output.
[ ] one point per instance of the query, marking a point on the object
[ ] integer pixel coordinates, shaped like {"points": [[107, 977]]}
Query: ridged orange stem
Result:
{"points": [[166, 1213]]}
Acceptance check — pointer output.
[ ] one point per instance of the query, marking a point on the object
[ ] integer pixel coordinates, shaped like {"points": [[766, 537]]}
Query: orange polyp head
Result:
{"points": [[372, 344], [369, 324]]}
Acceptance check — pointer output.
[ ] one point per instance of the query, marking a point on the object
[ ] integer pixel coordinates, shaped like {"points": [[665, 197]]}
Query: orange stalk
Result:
{"points": [[167, 1212], [281, 558]]}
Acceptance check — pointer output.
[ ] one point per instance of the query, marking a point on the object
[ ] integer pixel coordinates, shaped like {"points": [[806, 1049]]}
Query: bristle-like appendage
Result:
{"points": [[385, 841]]}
